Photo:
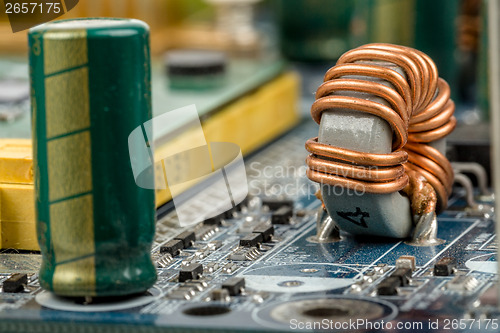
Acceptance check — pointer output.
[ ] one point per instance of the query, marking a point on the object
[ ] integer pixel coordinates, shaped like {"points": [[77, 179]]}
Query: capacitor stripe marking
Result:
{"points": [[56, 47], [68, 241], [81, 272], [69, 166], [69, 158], [67, 102]]}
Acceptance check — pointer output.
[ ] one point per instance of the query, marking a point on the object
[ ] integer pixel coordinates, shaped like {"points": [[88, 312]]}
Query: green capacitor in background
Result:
{"points": [[483, 73], [324, 30], [90, 82], [436, 36], [318, 30]]}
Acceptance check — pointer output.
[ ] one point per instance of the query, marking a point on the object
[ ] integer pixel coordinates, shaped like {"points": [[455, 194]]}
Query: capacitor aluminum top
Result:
{"points": [[90, 89]]}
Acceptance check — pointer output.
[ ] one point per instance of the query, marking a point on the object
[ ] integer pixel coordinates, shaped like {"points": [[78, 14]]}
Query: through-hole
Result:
{"points": [[207, 311], [325, 312]]}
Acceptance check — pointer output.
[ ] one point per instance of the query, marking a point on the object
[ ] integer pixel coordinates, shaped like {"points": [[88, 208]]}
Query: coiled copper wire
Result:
{"points": [[420, 112]]}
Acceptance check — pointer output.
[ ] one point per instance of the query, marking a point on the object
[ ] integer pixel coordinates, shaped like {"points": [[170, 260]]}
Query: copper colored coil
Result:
{"points": [[405, 62], [435, 134], [428, 111], [389, 75], [374, 88], [422, 194], [359, 104], [358, 185], [353, 171], [442, 98], [426, 65], [352, 156], [441, 193], [430, 166], [434, 155], [440, 119]]}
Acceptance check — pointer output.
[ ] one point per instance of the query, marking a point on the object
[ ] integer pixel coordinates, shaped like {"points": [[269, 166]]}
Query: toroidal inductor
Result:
{"points": [[383, 113]]}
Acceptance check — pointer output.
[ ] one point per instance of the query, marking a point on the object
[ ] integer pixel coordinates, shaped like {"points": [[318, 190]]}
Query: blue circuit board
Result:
{"points": [[290, 282]]}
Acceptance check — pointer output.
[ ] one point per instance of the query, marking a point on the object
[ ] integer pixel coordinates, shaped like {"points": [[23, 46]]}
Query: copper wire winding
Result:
{"points": [[420, 112]]}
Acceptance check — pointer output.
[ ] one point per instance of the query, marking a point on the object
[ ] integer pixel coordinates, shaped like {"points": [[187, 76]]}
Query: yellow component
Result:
{"points": [[259, 117], [17, 202], [250, 122], [16, 161], [19, 236], [17, 217], [17, 205]]}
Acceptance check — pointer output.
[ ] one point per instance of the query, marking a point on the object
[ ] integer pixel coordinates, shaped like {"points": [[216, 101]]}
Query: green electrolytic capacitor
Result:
{"points": [[90, 82]]}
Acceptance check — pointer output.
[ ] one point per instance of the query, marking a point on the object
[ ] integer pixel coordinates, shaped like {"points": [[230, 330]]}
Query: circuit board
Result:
{"points": [[225, 279], [14, 75]]}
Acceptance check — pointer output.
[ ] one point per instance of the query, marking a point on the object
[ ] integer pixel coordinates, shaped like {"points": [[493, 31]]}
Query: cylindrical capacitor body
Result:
{"points": [[90, 89]]}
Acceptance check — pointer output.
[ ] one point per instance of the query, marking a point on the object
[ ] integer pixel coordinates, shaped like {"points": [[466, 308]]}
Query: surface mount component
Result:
{"points": [[406, 262], [244, 254], [187, 238], [266, 230], [275, 204], [445, 266], [282, 215], [173, 246], [91, 89], [15, 283], [234, 286], [383, 114], [216, 220], [221, 295], [404, 275], [190, 272], [389, 286], [251, 240]]}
